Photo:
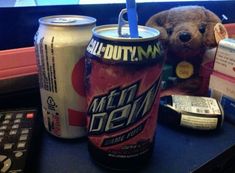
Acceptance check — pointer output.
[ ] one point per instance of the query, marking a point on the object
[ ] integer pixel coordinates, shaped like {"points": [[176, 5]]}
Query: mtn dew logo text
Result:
{"points": [[125, 52], [119, 109]]}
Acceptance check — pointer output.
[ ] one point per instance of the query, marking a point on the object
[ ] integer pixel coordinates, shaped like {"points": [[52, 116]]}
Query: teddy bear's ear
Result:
{"points": [[158, 21], [209, 37], [212, 17]]}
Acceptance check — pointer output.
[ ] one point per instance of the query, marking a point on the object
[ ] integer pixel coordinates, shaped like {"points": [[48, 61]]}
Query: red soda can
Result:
{"points": [[122, 83]]}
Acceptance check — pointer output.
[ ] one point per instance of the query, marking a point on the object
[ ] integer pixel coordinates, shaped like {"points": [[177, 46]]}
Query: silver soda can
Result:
{"points": [[60, 44]]}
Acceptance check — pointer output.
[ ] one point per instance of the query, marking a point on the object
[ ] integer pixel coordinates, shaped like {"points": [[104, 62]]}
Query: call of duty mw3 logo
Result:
{"points": [[120, 108], [111, 52]]}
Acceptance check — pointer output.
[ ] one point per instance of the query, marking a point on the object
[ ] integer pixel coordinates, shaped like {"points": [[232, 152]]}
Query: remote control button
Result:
{"points": [[29, 115], [24, 131], [2, 133], [6, 165], [13, 132], [18, 154], [3, 127], [6, 122], [17, 121], [19, 115], [21, 145], [8, 146], [8, 116], [23, 137], [15, 126], [2, 158], [1, 138]]}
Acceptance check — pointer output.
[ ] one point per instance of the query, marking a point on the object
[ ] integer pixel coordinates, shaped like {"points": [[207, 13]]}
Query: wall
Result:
{"points": [[18, 25]]}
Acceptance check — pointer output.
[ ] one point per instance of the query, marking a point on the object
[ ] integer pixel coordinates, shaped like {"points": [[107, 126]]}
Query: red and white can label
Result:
{"points": [[123, 104]]}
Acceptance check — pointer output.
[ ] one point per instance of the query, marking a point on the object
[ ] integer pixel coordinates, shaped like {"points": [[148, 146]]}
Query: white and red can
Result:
{"points": [[60, 44]]}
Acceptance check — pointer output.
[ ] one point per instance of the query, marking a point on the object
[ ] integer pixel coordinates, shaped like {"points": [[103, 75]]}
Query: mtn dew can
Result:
{"points": [[60, 44], [122, 84]]}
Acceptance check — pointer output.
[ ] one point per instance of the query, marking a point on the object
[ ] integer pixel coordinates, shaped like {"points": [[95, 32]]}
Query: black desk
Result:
{"points": [[176, 151]]}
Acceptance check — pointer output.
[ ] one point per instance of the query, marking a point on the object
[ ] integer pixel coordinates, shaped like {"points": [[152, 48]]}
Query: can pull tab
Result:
{"points": [[121, 23], [131, 24]]}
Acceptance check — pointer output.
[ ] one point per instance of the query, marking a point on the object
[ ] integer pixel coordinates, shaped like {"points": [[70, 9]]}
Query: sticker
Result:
{"points": [[195, 122], [220, 32], [184, 70], [197, 105], [224, 59]]}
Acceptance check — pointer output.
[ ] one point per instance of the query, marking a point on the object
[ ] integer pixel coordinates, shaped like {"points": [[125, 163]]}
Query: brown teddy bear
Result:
{"points": [[187, 32]]}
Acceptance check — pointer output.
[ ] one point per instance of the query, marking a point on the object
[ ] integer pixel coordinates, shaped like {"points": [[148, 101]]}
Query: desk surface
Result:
{"points": [[176, 151]]}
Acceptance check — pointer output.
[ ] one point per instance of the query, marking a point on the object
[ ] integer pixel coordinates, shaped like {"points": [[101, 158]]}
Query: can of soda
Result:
{"points": [[122, 88], [60, 44]]}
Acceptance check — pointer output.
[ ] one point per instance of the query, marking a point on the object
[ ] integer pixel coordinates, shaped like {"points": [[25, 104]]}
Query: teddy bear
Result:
{"points": [[186, 32]]}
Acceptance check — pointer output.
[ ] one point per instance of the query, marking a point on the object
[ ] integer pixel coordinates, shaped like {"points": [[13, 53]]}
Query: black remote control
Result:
{"points": [[19, 135]]}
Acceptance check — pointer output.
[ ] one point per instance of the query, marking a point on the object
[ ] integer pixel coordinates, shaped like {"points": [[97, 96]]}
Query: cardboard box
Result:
{"points": [[17, 62], [222, 88], [230, 27], [18, 70], [225, 57]]}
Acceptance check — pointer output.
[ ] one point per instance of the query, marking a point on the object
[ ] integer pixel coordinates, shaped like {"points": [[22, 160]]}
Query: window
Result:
{"points": [[21, 3]]}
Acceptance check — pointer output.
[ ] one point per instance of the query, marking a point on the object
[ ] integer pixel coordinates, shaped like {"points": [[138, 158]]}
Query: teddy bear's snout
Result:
{"points": [[185, 36]]}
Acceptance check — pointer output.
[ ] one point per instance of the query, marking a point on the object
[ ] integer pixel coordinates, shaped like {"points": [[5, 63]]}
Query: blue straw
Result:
{"points": [[132, 18]]}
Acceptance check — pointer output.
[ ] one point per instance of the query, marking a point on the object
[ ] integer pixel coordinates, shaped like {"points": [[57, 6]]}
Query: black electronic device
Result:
{"points": [[201, 113], [19, 140]]}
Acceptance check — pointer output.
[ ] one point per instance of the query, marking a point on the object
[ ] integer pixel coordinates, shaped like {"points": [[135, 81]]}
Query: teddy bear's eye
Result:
{"points": [[202, 28], [169, 31]]}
